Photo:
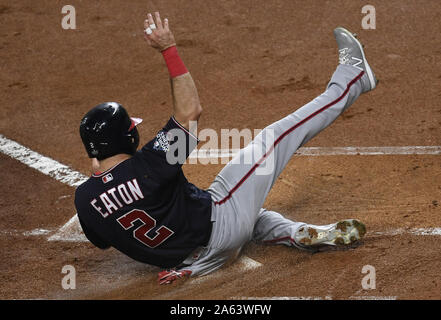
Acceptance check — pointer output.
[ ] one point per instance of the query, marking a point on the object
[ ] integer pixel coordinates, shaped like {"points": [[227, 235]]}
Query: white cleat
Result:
{"points": [[345, 233]]}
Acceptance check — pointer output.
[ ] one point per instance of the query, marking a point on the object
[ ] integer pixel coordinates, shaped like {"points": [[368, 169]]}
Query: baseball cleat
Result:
{"points": [[351, 53], [344, 233]]}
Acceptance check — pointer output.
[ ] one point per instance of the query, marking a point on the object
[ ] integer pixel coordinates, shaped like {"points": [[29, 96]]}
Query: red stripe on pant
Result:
{"points": [[279, 240], [258, 163]]}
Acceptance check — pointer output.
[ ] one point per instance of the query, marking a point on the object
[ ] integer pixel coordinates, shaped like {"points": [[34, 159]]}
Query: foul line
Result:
{"points": [[414, 231], [329, 151], [45, 165], [317, 298], [71, 231]]}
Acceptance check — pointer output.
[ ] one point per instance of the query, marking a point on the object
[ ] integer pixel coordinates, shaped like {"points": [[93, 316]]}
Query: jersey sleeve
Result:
{"points": [[169, 150]]}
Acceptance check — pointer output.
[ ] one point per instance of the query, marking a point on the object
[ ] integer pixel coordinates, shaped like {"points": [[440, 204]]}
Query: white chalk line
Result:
{"points": [[373, 298], [65, 174], [317, 298], [33, 233], [71, 232], [245, 264], [414, 231], [45, 165], [328, 151], [283, 298]]}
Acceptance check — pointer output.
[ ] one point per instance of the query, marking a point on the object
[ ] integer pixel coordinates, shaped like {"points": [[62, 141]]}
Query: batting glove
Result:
{"points": [[168, 276]]}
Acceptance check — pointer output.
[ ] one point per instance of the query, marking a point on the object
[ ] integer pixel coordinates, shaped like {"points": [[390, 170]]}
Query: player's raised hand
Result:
{"points": [[158, 34]]}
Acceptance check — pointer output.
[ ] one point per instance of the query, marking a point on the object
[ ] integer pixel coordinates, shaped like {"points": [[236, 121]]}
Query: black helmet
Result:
{"points": [[107, 130]]}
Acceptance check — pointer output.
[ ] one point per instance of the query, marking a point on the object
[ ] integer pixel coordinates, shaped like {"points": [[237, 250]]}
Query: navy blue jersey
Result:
{"points": [[144, 206]]}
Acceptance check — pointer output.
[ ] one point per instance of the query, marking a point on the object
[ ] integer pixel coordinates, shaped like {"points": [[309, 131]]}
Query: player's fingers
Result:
{"points": [[158, 20], [149, 27], [150, 20], [166, 24], [147, 30]]}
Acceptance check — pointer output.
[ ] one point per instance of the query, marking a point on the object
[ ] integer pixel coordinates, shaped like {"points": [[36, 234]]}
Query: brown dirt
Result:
{"points": [[312, 232], [342, 226], [253, 62]]}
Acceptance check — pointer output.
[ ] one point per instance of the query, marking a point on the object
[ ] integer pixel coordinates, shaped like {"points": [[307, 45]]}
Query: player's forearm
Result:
{"points": [[186, 102]]}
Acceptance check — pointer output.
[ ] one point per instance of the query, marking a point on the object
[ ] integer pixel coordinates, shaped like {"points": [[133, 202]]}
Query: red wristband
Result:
{"points": [[173, 61]]}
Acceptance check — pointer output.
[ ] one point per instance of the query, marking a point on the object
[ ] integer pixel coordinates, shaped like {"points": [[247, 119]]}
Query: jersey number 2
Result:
{"points": [[148, 223]]}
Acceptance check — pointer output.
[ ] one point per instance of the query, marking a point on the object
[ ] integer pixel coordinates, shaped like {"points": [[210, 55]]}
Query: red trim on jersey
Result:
{"points": [[247, 175], [184, 129]]}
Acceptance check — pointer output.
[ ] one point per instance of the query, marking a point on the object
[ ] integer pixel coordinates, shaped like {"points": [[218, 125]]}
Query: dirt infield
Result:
{"points": [[253, 62]]}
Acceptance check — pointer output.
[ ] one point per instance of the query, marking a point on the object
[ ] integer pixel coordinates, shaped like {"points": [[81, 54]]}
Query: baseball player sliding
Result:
{"points": [[140, 202]]}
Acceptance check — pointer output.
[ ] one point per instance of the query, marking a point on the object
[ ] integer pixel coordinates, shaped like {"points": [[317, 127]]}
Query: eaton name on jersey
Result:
{"points": [[115, 198]]}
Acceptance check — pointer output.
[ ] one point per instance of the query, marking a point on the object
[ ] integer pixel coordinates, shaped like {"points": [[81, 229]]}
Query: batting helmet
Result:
{"points": [[107, 130]]}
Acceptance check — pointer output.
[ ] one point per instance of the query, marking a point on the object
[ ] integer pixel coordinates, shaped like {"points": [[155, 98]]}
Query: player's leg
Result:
{"points": [[248, 178], [240, 189], [250, 181], [230, 234], [272, 228]]}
